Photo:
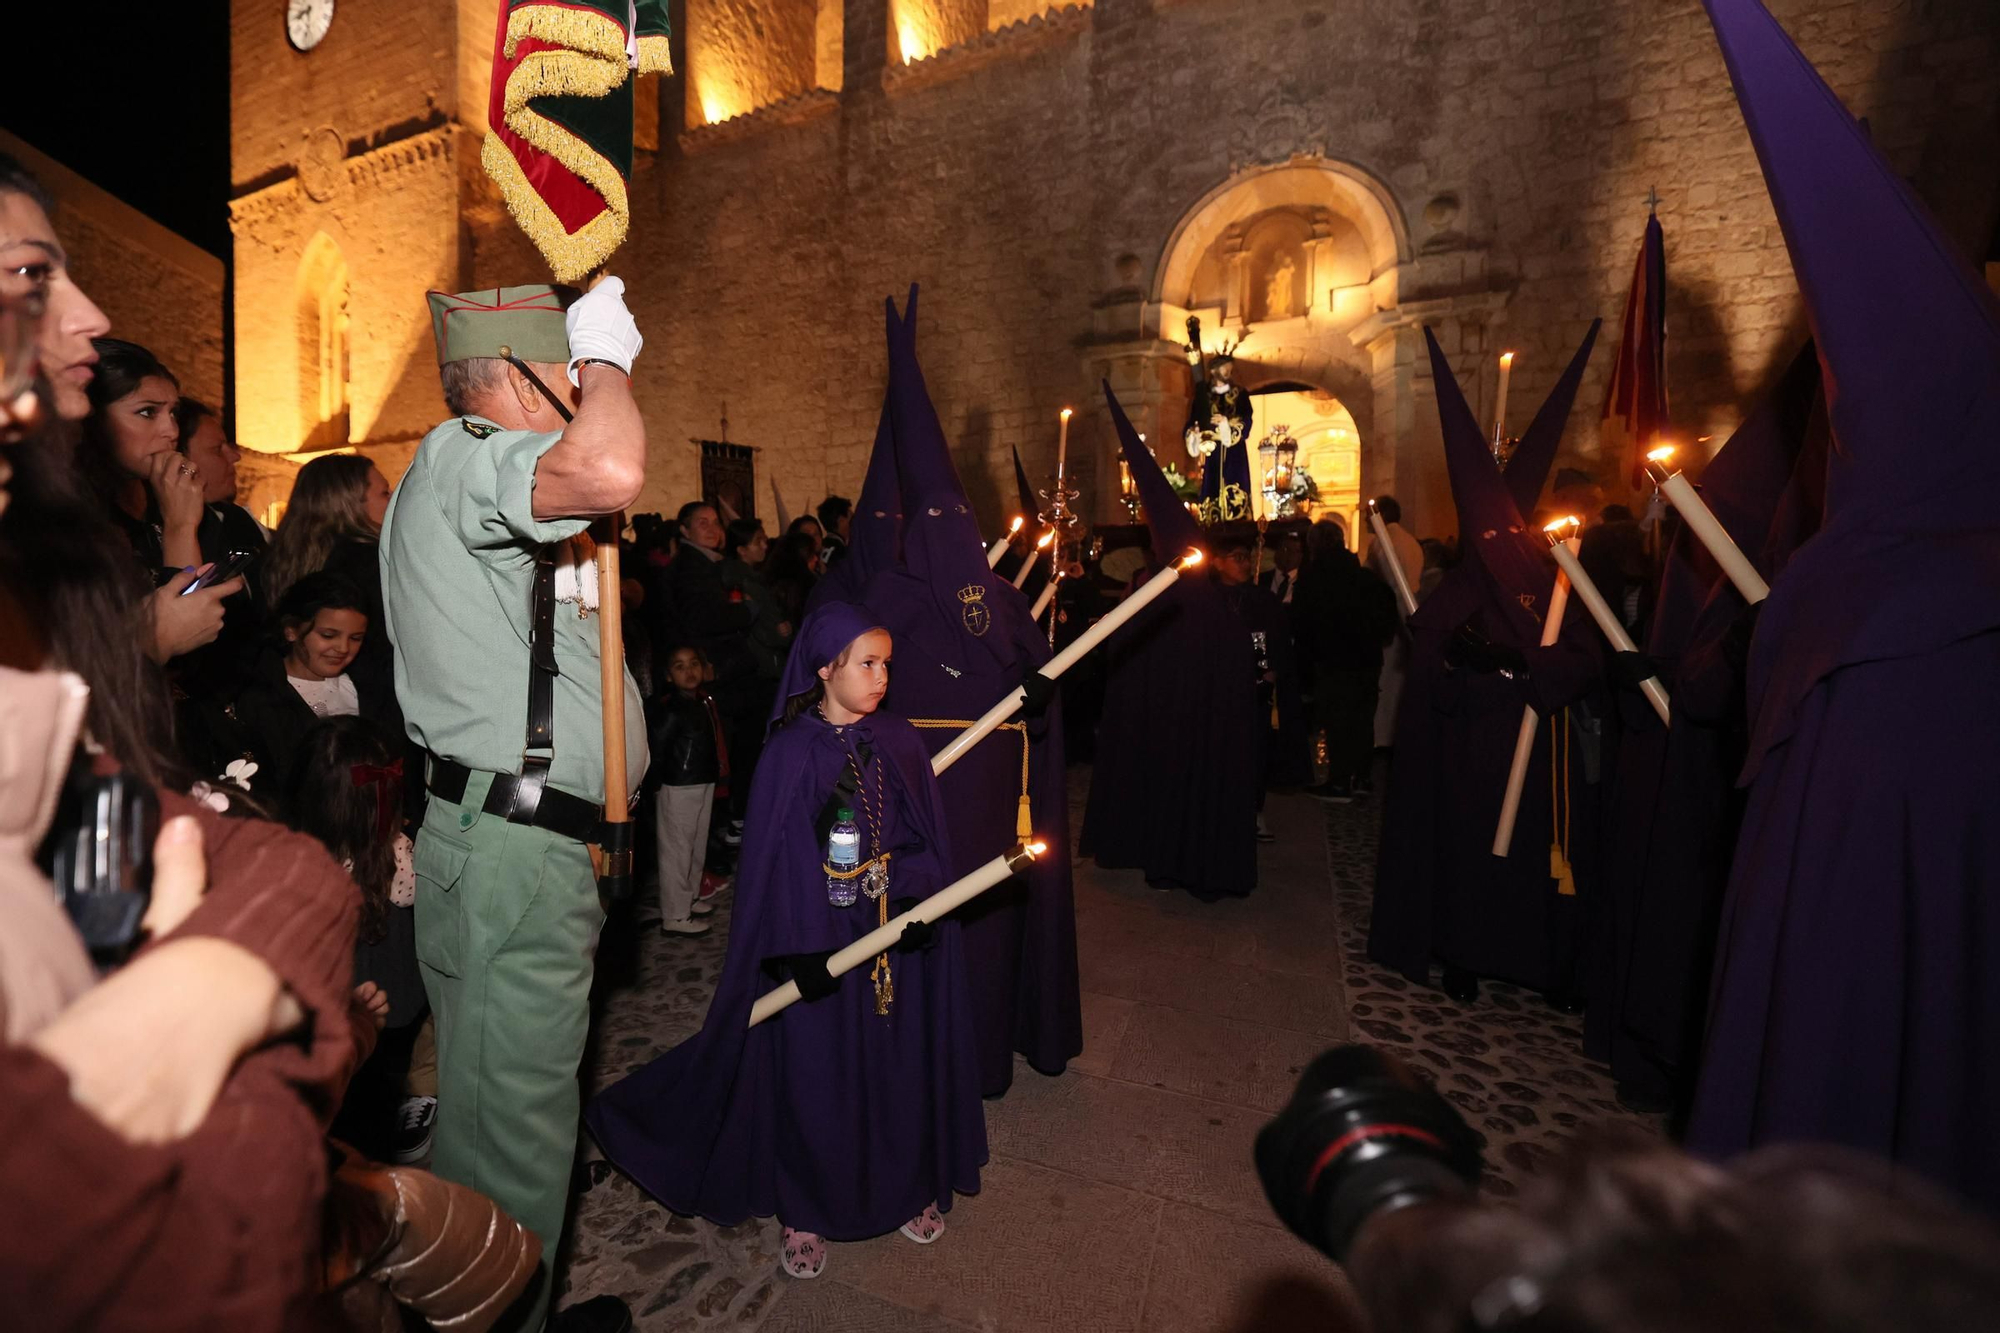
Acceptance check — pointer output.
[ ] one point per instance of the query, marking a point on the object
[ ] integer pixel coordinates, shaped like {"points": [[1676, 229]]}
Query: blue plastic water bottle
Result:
{"points": [[843, 853]]}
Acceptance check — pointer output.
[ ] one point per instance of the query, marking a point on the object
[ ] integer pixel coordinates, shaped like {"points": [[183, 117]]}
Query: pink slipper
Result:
{"points": [[805, 1253], [926, 1226]]}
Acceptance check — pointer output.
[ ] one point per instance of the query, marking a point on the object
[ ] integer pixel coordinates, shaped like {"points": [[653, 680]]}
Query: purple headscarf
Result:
{"points": [[823, 636]]}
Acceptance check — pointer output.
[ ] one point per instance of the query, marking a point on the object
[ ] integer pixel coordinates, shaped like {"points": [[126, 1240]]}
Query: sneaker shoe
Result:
{"points": [[1334, 793], [416, 1121], [712, 884], [732, 833], [805, 1253], [703, 906], [690, 926], [926, 1226], [599, 1314]]}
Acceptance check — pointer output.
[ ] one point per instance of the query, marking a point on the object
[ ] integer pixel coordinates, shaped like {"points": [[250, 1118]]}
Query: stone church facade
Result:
{"points": [[1320, 178]]}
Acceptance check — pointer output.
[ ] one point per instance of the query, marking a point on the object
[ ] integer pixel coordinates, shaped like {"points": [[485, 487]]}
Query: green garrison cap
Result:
{"points": [[526, 322]]}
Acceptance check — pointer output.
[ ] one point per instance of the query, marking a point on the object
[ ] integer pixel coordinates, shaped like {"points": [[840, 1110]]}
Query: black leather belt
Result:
{"points": [[521, 800]]}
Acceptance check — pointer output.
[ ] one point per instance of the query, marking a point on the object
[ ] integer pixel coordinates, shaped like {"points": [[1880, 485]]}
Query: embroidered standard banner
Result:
{"points": [[560, 115]]}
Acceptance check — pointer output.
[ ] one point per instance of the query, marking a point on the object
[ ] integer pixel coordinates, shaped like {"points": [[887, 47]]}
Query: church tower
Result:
{"points": [[354, 144]]}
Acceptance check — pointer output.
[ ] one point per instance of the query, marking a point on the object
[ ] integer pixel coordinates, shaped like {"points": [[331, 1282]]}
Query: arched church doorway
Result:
{"points": [[1307, 271], [1326, 470]]}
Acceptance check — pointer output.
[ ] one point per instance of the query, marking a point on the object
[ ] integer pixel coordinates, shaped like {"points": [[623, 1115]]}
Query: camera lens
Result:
{"points": [[1363, 1133]]}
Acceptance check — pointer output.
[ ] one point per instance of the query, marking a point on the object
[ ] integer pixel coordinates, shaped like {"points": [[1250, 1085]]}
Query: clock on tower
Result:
{"points": [[306, 21]]}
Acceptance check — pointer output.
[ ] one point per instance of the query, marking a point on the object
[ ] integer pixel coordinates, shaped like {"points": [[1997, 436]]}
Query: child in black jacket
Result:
{"points": [[688, 760]]}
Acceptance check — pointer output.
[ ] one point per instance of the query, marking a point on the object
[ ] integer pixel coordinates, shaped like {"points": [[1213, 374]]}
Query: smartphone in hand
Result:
{"points": [[225, 569]]}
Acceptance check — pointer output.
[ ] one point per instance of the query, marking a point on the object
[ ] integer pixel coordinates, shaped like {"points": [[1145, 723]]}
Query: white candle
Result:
{"points": [[1397, 574], [883, 938], [1062, 448], [1500, 398], [1042, 602], [1021, 574], [1656, 693], [1708, 530], [999, 546], [1524, 742], [1063, 661]]}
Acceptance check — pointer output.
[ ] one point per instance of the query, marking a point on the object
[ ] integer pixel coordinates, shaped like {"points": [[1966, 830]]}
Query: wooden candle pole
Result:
{"points": [[1062, 661], [1524, 742], [1600, 611], [1708, 530]]}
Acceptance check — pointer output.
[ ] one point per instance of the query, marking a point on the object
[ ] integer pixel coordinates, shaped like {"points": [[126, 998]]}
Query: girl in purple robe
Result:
{"points": [[855, 1112]]}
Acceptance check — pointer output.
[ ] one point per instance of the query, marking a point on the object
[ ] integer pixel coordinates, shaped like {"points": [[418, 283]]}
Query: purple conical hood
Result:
{"points": [[1490, 504], [1743, 484], [942, 548], [1172, 527], [1908, 336], [1030, 504], [875, 534], [1907, 559]]}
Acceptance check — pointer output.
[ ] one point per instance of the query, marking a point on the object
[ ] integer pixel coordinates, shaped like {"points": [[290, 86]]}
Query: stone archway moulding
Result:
{"points": [[1343, 188]]}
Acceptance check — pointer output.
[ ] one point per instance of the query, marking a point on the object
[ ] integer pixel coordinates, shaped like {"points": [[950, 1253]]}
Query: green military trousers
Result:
{"points": [[507, 925]]}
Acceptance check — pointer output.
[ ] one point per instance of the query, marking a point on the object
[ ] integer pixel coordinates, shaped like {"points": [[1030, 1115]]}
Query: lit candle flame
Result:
{"points": [[1067, 414], [1037, 848], [1047, 537], [1506, 360], [1016, 527], [1566, 521], [1661, 454], [1191, 559]]}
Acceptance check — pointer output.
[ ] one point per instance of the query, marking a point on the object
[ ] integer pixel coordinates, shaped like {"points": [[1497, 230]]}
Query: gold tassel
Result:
{"points": [[1024, 822], [1559, 866]]}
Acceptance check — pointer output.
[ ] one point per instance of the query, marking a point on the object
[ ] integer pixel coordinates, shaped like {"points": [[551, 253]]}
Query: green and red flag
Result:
{"points": [[1635, 402], [560, 115]]}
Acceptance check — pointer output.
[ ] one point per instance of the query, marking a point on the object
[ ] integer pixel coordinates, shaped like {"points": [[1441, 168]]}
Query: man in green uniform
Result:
{"points": [[491, 610]]}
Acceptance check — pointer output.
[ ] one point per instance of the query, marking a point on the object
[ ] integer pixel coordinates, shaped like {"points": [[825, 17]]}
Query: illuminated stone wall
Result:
{"points": [[1069, 182]]}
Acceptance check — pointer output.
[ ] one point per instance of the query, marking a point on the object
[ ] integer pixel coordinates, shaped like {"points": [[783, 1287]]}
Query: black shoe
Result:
{"points": [[1333, 793], [416, 1120], [599, 1314], [1461, 985]]}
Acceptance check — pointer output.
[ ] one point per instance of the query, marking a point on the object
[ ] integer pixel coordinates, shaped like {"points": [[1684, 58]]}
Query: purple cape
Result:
{"points": [[1174, 790], [1440, 893], [1858, 961], [1670, 813], [964, 639], [831, 1117]]}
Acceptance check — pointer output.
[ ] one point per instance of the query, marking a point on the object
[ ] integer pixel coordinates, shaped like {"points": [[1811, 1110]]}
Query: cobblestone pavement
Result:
{"points": [[1120, 1195]]}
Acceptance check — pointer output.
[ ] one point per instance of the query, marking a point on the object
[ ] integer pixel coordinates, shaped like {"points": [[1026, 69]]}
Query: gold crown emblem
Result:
{"points": [[972, 592]]}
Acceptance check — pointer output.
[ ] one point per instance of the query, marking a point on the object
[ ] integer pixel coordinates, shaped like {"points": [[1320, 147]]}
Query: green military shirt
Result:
{"points": [[458, 568]]}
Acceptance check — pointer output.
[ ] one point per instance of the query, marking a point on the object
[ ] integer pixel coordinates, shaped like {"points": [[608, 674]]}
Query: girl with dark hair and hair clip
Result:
{"points": [[317, 632], [857, 1112], [346, 789]]}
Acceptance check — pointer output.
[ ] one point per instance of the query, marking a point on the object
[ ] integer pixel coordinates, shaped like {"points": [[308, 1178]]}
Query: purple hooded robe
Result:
{"points": [[1440, 893], [1174, 790], [1670, 812], [829, 1116], [964, 639], [1857, 979]]}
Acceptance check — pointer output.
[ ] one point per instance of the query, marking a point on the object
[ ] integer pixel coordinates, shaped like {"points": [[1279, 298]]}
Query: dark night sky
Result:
{"points": [[133, 97]]}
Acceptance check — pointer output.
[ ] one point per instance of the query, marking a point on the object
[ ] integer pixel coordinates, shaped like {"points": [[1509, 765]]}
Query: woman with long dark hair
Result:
{"points": [[332, 521], [129, 456]]}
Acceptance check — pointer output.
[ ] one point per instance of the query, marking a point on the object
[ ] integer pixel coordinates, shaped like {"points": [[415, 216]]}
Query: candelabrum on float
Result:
{"points": [[1062, 516]]}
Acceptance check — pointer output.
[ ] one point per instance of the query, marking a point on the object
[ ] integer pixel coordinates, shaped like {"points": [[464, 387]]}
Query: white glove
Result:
{"points": [[602, 329]]}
